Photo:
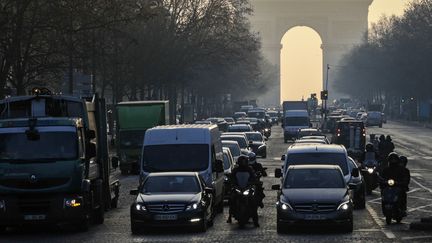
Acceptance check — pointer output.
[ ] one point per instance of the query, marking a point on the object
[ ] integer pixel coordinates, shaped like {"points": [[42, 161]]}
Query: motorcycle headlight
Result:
{"points": [[391, 182], [370, 170], [246, 193], [140, 207], [193, 206], [344, 206]]}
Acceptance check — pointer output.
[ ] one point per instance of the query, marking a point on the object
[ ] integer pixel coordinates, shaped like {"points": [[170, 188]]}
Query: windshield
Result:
{"points": [[234, 148], [257, 114], [245, 128], [176, 157], [240, 140], [254, 137], [273, 114], [314, 178], [171, 184], [297, 121], [131, 139], [319, 159], [49, 146]]}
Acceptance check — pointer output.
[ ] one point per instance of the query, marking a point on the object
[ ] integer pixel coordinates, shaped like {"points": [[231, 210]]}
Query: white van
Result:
{"points": [[189, 148], [294, 120]]}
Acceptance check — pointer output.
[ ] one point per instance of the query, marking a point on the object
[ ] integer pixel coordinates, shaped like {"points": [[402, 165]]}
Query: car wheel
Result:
{"points": [[135, 228], [280, 228], [220, 207], [348, 228], [360, 201], [203, 224]]}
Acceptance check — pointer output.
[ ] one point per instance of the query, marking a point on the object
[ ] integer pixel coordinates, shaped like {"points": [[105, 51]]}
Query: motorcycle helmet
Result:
{"points": [[369, 147], [403, 160], [242, 161], [393, 158], [252, 158]]}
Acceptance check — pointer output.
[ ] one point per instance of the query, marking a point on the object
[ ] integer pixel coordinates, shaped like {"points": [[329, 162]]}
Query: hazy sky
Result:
{"points": [[302, 56]]}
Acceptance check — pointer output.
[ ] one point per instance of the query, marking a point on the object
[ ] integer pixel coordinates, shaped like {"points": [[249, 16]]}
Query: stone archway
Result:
{"points": [[341, 24]]}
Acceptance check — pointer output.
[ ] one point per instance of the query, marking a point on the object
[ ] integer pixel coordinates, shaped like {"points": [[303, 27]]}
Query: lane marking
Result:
{"points": [[417, 237], [420, 185], [420, 198], [388, 233], [421, 207]]}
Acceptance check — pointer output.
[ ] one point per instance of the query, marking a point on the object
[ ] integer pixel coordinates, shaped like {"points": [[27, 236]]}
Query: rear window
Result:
{"points": [[319, 159]]}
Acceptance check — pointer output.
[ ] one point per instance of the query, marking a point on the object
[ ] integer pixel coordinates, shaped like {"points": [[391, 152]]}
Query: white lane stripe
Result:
{"points": [[380, 223], [421, 207], [420, 185], [417, 237]]}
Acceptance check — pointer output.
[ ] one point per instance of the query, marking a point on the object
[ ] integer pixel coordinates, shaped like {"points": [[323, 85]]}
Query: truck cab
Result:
{"points": [[54, 163]]}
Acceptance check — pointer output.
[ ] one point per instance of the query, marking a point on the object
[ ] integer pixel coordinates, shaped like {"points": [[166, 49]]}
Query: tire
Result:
{"points": [[203, 224], [280, 228], [360, 202], [349, 227], [220, 207], [398, 219], [136, 229], [84, 224], [388, 219], [114, 202], [264, 155]]}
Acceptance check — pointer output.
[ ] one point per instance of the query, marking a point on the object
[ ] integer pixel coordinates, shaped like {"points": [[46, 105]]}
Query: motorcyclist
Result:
{"points": [[395, 172], [407, 178], [239, 179], [370, 157], [258, 168]]}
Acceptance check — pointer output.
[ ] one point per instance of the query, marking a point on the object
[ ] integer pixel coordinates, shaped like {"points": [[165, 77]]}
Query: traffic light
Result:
{"points": [[324, 95]]}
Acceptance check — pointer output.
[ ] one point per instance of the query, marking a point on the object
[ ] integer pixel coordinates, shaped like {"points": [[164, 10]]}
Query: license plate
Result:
{"points": [[35, 217], [166, 217], [314, 217]]}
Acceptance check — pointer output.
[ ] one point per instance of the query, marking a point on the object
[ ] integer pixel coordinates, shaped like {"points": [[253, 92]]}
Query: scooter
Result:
{"points": [[245, 206], [391, 201], [266, 132], [370, 175]]}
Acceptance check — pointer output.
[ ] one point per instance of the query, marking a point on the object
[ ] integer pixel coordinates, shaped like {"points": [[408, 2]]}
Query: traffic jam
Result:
{"points": [[63, 166]]}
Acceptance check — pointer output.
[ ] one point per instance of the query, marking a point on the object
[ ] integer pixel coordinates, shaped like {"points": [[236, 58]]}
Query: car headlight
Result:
{"points": [[285, 206], [370, 170], [72, 202], [193, 206], [140, 207], [246, 193], [344, 206]]}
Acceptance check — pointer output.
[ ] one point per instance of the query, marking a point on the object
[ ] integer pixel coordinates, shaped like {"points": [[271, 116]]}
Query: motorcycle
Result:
{"points": [[266, 132], [370, 175], [245, 206], [391, 201]]}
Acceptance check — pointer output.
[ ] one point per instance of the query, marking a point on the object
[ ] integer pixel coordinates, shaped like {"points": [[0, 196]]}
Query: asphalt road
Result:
{"points": [[369, 225]]}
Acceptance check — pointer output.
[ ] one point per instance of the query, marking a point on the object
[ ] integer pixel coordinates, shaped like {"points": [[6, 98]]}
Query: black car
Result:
{"points": [[172, 199], [314, 194], [257, 143]]}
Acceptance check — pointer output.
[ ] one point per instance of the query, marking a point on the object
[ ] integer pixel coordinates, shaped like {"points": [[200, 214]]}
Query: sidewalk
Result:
{"points": [[413, 123]]}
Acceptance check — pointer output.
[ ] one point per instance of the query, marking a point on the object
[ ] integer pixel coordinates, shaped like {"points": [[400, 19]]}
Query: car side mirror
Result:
{"points": [[283, 157], [352, 186], [133, 192], [91, 134], [276, 187], [208, 190], [278, 173], [355, 172], [219, 166], [91, 150], [114, 162]]}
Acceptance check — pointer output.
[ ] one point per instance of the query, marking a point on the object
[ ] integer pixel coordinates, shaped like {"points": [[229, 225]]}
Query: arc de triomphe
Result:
{"points": [[340, 24]]}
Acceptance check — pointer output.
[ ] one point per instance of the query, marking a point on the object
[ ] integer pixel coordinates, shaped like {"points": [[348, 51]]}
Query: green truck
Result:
{"points": [[133, 120], [54, 162]]}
